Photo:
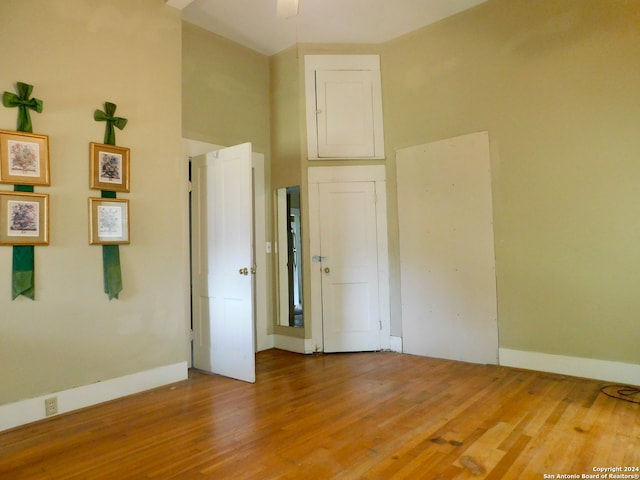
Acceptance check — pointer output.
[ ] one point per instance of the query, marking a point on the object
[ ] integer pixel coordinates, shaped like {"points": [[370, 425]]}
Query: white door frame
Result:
{"points": [[365, 173], [264, 341]]}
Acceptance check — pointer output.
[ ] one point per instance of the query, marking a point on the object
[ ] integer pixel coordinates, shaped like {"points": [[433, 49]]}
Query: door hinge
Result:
{"points": [[191, 335], [190, 186], [380, 322]]}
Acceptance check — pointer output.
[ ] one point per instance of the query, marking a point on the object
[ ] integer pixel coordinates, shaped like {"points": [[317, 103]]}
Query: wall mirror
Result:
{"points": [[289, 257]]}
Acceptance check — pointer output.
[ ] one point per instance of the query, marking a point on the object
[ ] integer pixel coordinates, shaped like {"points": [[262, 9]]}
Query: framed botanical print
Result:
{"points": [[109, 167], [24, 218], [24, 158], [108, 221]]}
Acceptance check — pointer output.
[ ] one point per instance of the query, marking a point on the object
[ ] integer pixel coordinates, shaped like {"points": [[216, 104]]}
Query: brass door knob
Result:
{"points": [[327, 269], [244, 271]]}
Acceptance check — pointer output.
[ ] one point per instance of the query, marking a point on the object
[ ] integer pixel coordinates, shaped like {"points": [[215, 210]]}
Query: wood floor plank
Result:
{"points": [[340, 416]]}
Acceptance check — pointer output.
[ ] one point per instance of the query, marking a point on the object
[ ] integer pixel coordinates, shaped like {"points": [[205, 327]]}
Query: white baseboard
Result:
{"points": [[395, 344], [308, 345], [627, 373], [32, 409], [290, 344], [265, 342]]}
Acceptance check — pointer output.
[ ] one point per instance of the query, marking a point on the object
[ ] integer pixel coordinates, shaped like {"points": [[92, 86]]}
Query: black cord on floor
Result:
{"points": [[622, 392]]}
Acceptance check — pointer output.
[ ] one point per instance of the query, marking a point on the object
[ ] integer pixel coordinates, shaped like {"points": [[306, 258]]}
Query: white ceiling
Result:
{"points": [[254, 23]]}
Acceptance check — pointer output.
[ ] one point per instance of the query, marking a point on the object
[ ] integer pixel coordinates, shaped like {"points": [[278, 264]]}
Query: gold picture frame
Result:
{"points": [[24, 218], [108, 221], [109, 167], [24, 158]]}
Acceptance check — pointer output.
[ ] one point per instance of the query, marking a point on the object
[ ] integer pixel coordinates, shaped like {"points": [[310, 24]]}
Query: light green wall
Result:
{"points": [[556, 86], [79, 54], [286, 118], [225, 98]]}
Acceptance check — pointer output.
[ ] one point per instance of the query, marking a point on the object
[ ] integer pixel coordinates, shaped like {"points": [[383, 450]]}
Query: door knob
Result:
{"points": [[244, 271], [327, 269]]}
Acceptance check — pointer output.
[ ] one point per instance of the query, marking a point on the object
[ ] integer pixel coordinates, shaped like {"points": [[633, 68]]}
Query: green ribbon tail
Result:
{"points": [[112, 271], [23, 270], [24, 120], [111, 263], [22, 275], [109, 134]]}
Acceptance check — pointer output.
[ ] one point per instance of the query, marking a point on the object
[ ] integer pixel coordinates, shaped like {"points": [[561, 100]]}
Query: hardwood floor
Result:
{"points": [[344, 416]]}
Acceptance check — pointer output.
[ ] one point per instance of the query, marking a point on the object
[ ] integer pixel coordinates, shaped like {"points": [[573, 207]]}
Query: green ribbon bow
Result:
{"points": [[24, 104], [112, 121]]}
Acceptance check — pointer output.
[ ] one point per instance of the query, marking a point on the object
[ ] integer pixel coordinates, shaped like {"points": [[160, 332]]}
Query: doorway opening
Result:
{"points": [[217, 186]]}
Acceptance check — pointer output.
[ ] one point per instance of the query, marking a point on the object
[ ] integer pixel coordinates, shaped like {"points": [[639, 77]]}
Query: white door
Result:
{"points": [[343, 98], [345, 113], [349, 267], [222, 227]]}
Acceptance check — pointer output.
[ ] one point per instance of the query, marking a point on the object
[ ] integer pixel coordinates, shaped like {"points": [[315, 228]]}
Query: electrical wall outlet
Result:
{"points": [[50, 406]]}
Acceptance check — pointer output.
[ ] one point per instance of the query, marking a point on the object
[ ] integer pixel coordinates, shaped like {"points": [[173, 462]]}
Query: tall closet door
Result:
{"points": [[348, 253], [348, 238]]}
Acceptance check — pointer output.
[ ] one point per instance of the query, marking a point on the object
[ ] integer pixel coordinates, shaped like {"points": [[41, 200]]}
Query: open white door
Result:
{"points": [[222, 263]]}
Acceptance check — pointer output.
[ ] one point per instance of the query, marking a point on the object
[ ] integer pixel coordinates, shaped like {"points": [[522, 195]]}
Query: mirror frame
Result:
{"points": [[288, 263]]}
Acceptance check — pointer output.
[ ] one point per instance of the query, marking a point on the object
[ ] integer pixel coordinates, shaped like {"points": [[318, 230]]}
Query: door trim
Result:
{"points": [[365, 173]]}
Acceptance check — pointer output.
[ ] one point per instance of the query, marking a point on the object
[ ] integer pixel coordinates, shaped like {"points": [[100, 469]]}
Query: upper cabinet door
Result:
{"points": [[344, 107], [344, 113]]}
